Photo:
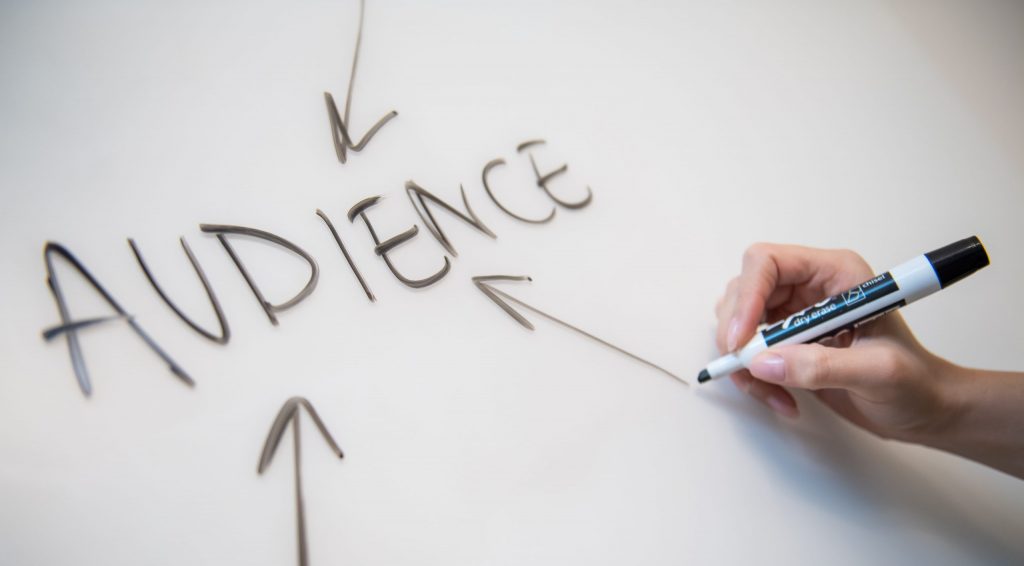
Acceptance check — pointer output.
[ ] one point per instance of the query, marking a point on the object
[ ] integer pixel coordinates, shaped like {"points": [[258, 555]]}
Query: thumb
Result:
{"points": [[813, 366]]}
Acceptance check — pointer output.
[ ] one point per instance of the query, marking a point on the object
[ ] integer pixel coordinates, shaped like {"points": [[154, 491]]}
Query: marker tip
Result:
{"points": [[703, 376]]}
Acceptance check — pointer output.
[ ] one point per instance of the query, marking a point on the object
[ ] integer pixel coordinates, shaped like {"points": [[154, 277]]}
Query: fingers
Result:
{"points": [[774, 275], [724, 310], [779, 297], [777, 398], [726, 305], [840, 402], [813, 366], [756, 282], [766, 266]]}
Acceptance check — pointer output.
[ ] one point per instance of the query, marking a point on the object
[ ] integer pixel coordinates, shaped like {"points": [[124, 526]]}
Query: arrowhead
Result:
{"points": [[288, 412], [502, 299], [496, 295]]}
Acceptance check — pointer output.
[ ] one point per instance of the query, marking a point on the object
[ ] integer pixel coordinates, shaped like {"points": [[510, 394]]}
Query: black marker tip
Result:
{"points": [[703, 376]]}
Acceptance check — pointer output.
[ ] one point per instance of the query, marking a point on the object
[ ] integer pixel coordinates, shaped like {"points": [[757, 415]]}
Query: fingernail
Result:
{"points": [[769, 367], [733, 335], [782, 404]]}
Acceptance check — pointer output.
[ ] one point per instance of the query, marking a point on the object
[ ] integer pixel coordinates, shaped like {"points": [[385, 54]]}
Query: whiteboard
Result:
{"points": [[700, 128]]}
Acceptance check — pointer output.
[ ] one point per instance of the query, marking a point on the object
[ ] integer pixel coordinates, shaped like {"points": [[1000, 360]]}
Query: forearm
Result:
{"points": [[986, 419]]}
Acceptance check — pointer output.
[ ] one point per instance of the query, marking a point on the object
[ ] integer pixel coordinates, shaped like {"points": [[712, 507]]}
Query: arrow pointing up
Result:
{"points": [[502, 299], [289, 414]]}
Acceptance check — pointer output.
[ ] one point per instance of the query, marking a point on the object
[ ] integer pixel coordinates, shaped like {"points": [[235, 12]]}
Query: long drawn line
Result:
{"points": [[565, 324], [355, 61], [340, 123], [290, 414]]}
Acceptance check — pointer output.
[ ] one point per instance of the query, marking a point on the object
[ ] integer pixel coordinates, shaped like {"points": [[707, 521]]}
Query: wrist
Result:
{"points": [[954, 401], [980, 416]]}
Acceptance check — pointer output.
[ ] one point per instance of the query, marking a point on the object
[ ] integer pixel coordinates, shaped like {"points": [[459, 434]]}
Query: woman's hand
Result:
{"points": [[878, 376]]}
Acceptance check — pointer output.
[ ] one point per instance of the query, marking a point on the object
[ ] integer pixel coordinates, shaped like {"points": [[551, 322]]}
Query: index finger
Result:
{"points": [[765, 268]]}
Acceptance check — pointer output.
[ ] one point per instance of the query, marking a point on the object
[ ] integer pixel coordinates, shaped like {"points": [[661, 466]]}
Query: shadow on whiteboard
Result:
{"points": [[871, 484]]}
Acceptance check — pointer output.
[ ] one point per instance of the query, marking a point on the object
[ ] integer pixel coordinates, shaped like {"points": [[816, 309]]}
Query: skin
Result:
{"points": [[878, 377]]}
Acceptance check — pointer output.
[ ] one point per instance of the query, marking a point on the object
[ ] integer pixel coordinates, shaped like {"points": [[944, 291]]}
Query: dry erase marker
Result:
{"points": [[881, 294]]}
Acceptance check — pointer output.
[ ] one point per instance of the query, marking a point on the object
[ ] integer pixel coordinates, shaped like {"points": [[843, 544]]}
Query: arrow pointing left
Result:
{"points": [[289, 414], [503, 300]]}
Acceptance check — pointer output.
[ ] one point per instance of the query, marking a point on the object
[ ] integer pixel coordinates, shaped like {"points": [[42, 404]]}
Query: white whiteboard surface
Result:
{"points": [[890, 128]]}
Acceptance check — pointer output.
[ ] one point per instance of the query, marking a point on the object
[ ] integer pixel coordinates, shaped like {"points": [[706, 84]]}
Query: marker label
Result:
{"points": [[830, 308]]}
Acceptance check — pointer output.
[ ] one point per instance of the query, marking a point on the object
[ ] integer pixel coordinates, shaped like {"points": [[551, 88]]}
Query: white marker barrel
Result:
{"points": [[902, 285]]}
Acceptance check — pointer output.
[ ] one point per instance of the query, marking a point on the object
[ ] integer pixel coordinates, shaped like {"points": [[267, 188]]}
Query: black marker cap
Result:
{"points": [[958, 260]]}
